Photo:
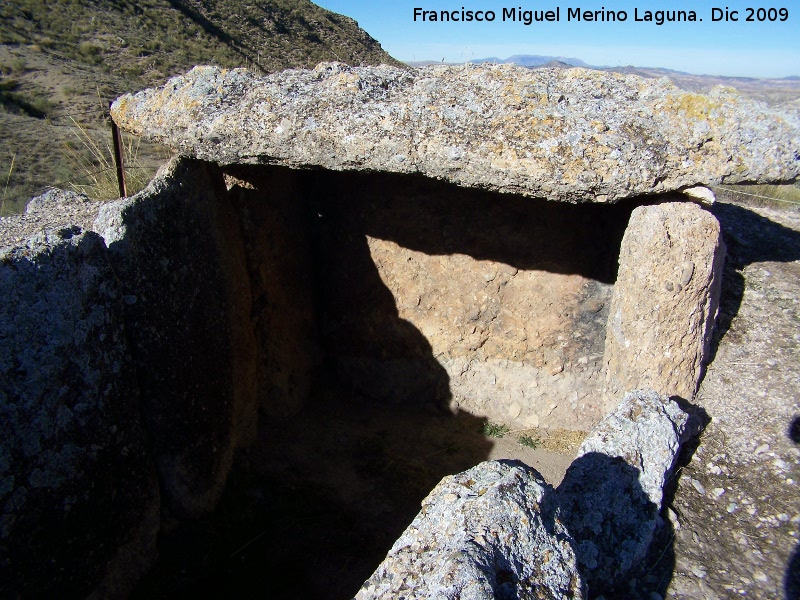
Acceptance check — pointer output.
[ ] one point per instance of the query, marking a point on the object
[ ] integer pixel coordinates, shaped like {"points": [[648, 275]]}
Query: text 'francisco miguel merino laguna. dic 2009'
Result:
{"points": [[554, 15]]}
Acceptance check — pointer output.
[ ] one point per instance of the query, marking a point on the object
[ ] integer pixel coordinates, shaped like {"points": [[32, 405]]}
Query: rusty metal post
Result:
{"points": [[123, 189]]}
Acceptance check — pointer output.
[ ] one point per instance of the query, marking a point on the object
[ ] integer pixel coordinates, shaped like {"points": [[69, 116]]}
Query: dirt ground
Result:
{"points": [[319, 500]]}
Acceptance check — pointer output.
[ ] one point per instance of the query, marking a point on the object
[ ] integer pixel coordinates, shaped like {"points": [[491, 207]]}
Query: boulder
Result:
{"points": [[79, 499], [481, 535], [53, 210], [499, 531], [665, 301], [611, 495], [573, 135], [701, 194]]}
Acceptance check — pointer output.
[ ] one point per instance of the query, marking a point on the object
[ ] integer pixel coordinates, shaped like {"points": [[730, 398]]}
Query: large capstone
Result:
{"points": [[573, 135]]}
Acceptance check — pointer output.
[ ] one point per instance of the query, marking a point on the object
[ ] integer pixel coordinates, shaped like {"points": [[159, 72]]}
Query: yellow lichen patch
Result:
{"points": [[693, 106], [119, 111], [597, 150]]}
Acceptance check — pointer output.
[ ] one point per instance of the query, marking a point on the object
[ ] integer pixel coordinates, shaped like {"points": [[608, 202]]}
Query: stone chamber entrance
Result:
{"points": [[396, 318]]}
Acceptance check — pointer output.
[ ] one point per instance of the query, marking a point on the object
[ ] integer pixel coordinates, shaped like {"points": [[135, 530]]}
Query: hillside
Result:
{"points": [[66, 60]]}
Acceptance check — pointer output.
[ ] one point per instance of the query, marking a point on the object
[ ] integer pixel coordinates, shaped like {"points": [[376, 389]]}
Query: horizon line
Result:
{"points": [[586, 65]]}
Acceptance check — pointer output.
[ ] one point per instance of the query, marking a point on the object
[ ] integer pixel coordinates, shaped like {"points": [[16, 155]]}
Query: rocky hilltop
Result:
{"points": [[143, 340], [572, 135]]}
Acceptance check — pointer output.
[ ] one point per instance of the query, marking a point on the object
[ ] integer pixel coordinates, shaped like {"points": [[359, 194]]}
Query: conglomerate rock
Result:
{"points": [[611, 495], [499, 531], [79, 499], [573, 135], [461, 298], [665, 301], [481, 534]]}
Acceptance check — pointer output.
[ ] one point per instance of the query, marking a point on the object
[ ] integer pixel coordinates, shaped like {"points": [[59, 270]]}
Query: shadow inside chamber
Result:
{"points": [[316, 503]]}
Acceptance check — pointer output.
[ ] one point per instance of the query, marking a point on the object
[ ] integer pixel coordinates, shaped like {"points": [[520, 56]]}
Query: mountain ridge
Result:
{"points": [[61, 63], [784, 91], [531, 60]]}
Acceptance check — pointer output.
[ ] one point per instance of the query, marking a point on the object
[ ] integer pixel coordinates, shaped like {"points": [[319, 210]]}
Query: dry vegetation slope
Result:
{"points": [[70, 57]]}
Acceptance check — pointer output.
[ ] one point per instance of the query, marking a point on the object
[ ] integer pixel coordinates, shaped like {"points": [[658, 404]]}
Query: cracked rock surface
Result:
{"points": [[76, 479], [571, 135], [665, 300], [482, 534]]}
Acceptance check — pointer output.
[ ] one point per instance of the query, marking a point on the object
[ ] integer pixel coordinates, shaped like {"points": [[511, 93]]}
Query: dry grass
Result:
{"points": [[563, 441], [5, 186], [94, 165], [781, 197], [43, 158]]}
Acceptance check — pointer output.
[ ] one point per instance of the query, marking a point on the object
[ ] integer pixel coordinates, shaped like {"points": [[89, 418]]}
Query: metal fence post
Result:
{"points": [[123, 190]]}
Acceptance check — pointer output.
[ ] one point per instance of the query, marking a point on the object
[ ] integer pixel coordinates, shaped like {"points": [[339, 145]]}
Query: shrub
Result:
{"points": [[90, 53], [495, 430], [19, 65], [530, 442]]}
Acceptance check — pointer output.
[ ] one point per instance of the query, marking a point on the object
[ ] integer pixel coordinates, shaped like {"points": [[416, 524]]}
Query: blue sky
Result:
{"points": [[754, 49]]}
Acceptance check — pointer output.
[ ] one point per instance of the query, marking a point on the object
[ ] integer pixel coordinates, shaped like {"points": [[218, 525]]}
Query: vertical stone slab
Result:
{"points": [[499, 531], [665, 301], [178, 253], [274, 224], [611, 495], [481, 535], [79, 499]]}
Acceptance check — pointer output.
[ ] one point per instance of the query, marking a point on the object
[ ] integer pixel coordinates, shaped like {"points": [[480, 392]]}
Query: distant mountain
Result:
{"points": [[775, 92], [531, 60], [555, 64]]}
